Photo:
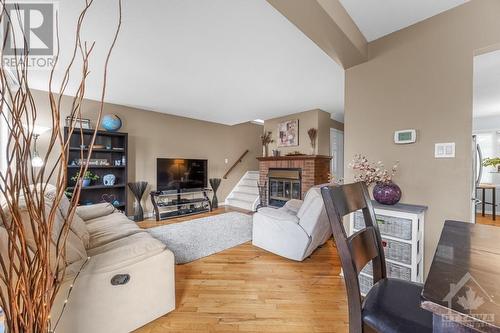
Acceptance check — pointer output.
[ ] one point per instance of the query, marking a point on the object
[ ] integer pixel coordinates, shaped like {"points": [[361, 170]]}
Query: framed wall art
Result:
{"points": [[288, 133]]}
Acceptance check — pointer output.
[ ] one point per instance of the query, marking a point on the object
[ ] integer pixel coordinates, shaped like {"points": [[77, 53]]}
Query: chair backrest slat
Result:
{"points": [[363, 246], [360, 248], [348, 199]]}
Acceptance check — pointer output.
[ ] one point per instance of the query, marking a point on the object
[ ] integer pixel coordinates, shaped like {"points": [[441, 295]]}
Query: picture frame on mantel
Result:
{"points": [[288, 133]]}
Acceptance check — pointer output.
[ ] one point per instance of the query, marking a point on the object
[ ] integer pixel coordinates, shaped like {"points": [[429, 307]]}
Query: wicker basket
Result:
{"points": [[393, 271], [397, 251], [365, 283], [388, 225]]}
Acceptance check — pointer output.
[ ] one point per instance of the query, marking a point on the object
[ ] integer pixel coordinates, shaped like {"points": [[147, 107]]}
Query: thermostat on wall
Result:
{"points": [[405, 136]]}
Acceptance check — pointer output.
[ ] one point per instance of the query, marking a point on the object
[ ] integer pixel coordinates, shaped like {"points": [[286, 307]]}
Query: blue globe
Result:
{"points": [[111, 122]]}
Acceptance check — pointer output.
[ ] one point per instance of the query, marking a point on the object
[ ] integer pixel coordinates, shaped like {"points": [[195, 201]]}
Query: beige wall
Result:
{"points": [[421, 77], [324, 133], [309, 119], [153, 135]]}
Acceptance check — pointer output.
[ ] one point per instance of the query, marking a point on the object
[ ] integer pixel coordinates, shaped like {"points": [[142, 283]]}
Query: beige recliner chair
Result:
{"points": [[295, 230], [126, 277]]}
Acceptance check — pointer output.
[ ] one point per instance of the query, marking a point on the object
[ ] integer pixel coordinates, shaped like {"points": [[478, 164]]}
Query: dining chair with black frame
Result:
{"points": [[391, 305]]}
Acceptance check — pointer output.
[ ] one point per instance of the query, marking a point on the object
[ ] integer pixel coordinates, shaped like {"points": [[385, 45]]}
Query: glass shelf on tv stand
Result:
{"points": [[182, 192], [169, 204]]}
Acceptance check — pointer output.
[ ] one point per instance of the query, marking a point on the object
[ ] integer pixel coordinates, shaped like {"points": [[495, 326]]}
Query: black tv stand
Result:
{"points": [[171, 204]]}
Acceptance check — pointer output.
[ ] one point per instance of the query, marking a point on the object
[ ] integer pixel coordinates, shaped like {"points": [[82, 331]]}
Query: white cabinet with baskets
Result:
{"points": [[402, 229]]}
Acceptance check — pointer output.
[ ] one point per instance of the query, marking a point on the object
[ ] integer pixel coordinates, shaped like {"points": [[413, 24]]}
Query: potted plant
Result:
{"points": [[384, 191], [87, 178], [494, 162]]}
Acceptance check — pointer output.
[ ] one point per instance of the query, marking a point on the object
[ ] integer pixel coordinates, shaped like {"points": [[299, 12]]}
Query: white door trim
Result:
{"points": [[337, 152]]}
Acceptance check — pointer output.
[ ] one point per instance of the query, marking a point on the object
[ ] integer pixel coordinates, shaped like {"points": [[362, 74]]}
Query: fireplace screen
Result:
{"points": [[284, 184]]}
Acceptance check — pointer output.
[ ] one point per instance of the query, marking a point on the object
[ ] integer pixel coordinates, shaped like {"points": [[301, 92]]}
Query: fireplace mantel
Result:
{"points": [[294, 157]]}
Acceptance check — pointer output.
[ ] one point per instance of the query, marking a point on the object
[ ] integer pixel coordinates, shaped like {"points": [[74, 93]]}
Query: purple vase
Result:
{"points": [[387, 193]]}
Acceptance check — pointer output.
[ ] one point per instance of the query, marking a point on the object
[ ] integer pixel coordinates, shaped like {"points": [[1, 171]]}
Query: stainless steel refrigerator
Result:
{"points": [[477, 173]]}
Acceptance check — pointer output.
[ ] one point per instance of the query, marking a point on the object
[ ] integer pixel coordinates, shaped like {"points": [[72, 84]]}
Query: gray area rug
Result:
{"points": [[202, 237]]}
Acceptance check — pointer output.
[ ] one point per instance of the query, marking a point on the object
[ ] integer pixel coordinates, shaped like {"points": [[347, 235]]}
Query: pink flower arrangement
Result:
{"points": [[371, 173]]}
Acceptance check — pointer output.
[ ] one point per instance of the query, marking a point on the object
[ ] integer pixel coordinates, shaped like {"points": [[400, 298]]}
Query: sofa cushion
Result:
{"points": [[311, 210], [117, 218], [77, 225], [125, 252], [75, 249], [278, 214], [110, 228], [293, 205], [94, 211], [105, 236], [122, 242]]}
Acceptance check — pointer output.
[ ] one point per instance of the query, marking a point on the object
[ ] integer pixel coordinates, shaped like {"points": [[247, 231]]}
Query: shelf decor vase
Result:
{"points": [[138, 189], [215, 183], [86, 182], [387, 193], [265, 150]]}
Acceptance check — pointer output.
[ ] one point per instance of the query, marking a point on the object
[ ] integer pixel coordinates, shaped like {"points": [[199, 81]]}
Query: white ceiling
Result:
{"points": [[377, 18], [226, 61], [487, 85]]}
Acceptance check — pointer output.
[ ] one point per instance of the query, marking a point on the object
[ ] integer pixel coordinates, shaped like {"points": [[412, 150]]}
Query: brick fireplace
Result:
{"points": [[313, 169]]}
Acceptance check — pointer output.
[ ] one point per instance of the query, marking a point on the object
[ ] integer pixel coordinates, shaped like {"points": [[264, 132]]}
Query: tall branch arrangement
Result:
{"points": [[313, 134], [266, 138], [32, 252]]}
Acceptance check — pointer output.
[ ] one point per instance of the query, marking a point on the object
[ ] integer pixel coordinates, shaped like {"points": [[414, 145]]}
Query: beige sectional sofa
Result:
{"points": [[125, 277]]}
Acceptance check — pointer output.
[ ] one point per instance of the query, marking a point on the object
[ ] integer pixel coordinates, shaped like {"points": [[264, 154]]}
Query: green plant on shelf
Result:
{"points": [[491, 162], [89, 175], [87, 178]]}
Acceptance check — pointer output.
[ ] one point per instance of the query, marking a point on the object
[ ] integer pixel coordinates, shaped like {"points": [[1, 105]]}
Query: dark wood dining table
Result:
{"points": [[462, 289]]}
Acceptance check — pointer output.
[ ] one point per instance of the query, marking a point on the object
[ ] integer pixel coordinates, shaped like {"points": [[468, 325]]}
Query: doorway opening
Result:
{"points": [[337, 153], [485, 185]]}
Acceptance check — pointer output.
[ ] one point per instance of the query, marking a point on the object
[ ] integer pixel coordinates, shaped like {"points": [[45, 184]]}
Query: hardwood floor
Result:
{"points": [[487, 220], [246, 289]]}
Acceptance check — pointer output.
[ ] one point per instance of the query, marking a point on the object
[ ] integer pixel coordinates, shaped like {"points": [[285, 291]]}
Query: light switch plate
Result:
{"points": [[444, 150]]}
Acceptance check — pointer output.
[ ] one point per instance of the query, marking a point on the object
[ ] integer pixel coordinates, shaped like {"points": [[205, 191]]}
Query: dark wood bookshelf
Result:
{"points": [[97, 187], [98, 167], [95, 150], [97, 192]]}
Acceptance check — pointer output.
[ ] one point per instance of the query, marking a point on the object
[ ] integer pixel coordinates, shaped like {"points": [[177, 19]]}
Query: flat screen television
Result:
{"points": [[179, 174]]}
